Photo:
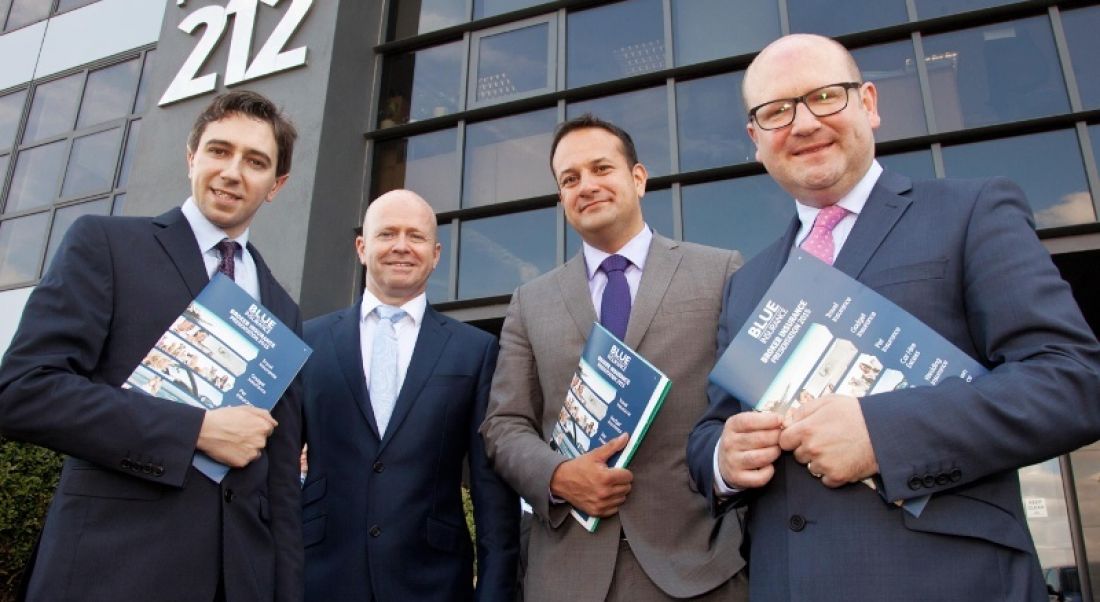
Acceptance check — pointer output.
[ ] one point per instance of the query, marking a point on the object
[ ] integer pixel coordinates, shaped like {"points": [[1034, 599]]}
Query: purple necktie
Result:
{"points": [[227, 249], [615, 305], [820, 241]]}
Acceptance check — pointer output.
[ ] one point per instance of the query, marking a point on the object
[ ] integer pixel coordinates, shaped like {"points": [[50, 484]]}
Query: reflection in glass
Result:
{"points": [[92, 163], [11, 109], [64, 5], [613, 41], [833, 18], [37, 171], [489, 8], [4, 160], [119, 206], [420, 85], [1047, 516], [746, 214], [497, 254], [512, 63], [644, 115], [427, 164], [893, 69], [506, 159], [21, 243], [657, 209], [1084, 46], [411, 17], [927, 9], [704, 30], [65, 216], [143, 86], [128, 154], [1086, 476], [109, 93], [439, 283], [915, 164], [1048, 166], [710, 121], [25, 12], [995, 73], [53, 109]]}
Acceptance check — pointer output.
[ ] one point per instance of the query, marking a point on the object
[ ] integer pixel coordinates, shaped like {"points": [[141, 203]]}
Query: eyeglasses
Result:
{"points": [[821, 102]]}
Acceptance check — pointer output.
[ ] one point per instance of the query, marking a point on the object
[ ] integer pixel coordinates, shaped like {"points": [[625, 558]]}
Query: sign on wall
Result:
{"points": [[273, 56]]}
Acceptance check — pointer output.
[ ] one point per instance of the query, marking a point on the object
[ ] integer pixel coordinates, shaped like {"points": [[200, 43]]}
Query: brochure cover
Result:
{"points": [[819, 331], [224, 350], [613, 391]]}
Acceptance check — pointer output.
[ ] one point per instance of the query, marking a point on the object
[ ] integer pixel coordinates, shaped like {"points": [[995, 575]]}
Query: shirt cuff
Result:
{"points": [[720, 486]]}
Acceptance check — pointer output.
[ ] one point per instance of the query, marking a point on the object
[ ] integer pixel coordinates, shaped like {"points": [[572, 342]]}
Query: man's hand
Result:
{"points": [[829, 435], [235, 436], [589, 485], [748, 447]]}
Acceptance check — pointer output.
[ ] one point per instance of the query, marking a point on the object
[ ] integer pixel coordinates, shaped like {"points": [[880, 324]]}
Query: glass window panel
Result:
{"points": [[92, 163], [746, 214], [893, 69], [513, 63], [4, 160], [488, 8], [25, 12], [927, 9], [21, 243], [427, 164], [37, 174], [439, 283], [657, 208], [128, 155], [613, 41], [1086, 475], [508, 159], [65, 216], [704, 30], [1048, 518], [1084, 46], [1048, 166], [143, 86], [834, 18], [412, 17], [109, 93], [710, 120], [422, 84], [11, 109], [119, 206], [644, 115], [497, 254], [995, 73], [64, 5], [915, 164], [53, 109]]}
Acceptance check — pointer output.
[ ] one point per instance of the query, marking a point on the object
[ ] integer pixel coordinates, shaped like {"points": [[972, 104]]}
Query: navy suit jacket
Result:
{"points": [[131, 519], [383, 517], [962, 257]]}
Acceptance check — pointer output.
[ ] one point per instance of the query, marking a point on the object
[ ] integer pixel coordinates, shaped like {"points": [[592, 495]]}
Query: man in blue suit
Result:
{"points": [[961, 256], [394, 395]]}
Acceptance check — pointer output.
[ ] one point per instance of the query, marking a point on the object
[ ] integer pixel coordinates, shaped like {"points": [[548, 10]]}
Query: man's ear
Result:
{"points": [[279, 181]]}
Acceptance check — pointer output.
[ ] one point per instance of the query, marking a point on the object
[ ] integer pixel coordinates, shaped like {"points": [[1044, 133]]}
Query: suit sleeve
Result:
{"points": [[496, 506], [285, 489], [51, 388], [1042, 396]]}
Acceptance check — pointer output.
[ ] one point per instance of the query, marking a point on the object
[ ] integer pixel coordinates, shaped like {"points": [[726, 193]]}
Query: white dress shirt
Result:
{"points": [[636, 250], [208, 235], [406, 329]]}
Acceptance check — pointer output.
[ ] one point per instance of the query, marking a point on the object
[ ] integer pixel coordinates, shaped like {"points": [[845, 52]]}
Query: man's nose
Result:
{"points": [[804, 122]]}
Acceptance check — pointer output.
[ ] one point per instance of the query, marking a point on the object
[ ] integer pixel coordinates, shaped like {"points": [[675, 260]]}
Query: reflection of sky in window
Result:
{"points": [[704, 30], [431, 168], [92, 163], [439, 283], [11, 109], [25, 12], [893, 69], [65, 217], [644, 115], [37, 171], [710, 119], [53, 109], [497, 254], [506, 159], [437, 14], [995, 73], [915, 164], [1084, 46], [128, 156], [109, 93], [834, 18], [488, 8], [21, 242], [927, 9], [143, 85], [657, 209], [1041, 485], [613, 41], [437, 79], [513, 62], [746, 214], [1048, 166]]}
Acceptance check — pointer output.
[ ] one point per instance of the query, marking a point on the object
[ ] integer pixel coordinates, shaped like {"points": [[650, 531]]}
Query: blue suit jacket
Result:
{"points": [[383, 518], [962, 257], [131, 519]]}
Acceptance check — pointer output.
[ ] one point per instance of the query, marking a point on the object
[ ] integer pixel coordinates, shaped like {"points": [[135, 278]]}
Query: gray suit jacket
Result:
{"points": [[683, 549]]}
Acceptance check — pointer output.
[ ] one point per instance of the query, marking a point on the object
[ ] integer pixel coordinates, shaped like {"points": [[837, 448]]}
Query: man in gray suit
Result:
{"points": [[658, 540]]}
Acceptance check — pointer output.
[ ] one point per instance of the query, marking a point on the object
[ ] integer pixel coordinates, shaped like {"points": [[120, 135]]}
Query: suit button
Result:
{"points": [[158, 471], [375, 531], [126, 463], [379, 467], [229, 495], [929, 481], [915, 483], [955, 476], [797, 522], [942, 479]]}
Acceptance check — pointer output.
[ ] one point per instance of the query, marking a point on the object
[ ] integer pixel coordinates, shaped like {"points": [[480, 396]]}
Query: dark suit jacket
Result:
{"points": [[131, 520], [383, 518], [962, 257]]}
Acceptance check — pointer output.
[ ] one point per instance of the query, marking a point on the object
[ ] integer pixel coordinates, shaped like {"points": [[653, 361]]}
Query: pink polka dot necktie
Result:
{"points": [[820, 241]]}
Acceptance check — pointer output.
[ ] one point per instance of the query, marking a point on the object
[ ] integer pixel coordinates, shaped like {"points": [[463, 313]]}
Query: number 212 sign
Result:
{"points": [[271, 58]]}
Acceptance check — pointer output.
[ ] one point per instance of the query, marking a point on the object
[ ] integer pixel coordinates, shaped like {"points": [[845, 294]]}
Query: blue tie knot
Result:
{"points": [[614, 263], [390, 313]]}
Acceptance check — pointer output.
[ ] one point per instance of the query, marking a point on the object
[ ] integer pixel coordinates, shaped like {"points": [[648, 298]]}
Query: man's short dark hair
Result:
{"points": [[587, 121], [256, 106]]}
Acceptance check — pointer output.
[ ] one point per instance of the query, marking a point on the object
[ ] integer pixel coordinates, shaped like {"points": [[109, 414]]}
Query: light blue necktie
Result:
{"points": [[383, 365]]}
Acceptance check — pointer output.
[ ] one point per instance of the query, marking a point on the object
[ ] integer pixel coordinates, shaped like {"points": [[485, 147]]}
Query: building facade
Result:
{"points": [[458, 99]]}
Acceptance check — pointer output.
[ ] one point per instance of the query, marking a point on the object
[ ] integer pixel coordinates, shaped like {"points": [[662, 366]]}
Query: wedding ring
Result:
{"points": [[809, 467]]}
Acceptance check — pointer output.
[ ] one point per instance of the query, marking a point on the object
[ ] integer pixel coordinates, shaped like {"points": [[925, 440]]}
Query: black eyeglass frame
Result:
{"points": [[848, 86]]}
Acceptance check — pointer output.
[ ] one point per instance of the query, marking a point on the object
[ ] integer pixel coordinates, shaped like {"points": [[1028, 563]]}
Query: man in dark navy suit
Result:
{"points": [[394, 395], [131, 519]]}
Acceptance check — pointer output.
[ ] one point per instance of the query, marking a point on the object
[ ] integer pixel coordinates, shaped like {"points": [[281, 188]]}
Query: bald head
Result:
{"points": [[398, 246], [790, 49], [407, 201]]}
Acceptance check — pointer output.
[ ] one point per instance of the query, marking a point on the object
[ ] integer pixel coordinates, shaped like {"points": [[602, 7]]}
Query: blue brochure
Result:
{"points": [[224, 350], [613, 391]]}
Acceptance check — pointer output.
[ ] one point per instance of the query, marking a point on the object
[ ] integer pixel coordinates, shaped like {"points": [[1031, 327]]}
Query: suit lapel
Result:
{"points": [[178, 241], [349, 357], [430, 343], [882, 211], [661, 262], [573, 283]]}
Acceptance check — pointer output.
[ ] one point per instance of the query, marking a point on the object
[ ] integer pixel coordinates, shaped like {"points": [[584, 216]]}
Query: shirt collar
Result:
{"points": [[636, 250], [853, 201], [415, 307], [206, 233]]}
